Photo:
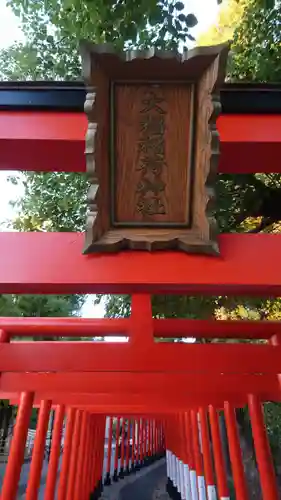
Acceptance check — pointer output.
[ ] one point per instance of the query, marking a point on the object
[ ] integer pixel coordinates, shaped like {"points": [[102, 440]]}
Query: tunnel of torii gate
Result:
{"points": [[158, 398]]}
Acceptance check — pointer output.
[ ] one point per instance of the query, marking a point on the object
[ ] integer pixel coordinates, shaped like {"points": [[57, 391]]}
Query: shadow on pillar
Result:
{"points": [[95, 495], [172, 490]]}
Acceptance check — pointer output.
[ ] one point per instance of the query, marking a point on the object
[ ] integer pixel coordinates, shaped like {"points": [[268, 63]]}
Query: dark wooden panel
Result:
{"points": [[152, 151], [207, 150]]}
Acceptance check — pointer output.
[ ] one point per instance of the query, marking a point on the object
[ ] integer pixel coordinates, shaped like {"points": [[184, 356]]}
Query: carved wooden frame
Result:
{"points": [[204, 67]]}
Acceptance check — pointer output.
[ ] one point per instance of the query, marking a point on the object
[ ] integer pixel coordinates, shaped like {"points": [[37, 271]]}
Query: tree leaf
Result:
{"points": [[182, 17], [191, 20], [179, 5], [178, 25]]}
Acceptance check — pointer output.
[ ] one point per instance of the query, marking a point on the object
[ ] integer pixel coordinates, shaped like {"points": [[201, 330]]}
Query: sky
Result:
{"points": [[206, 13], [9, 26]]}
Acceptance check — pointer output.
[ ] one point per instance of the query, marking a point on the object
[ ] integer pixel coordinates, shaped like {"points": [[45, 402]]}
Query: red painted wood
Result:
{"points": [[213, 329], [55, 141], [35, 472], [128, 445], [81, 453], [148, 404], [83, 401], [134, 444], [141, 331], [55, 453], [68, 327], [72, 472], [189, 446], [16, 452], [122, 444], [235, 452], [219, 460], [165, 357], [89, 466], [102, 421], [60, 126], [262, 450], [93, 472], [109, 446], [66, 457], [196, 445], [4, 336], [42, 155], [84, 327], [249, 157], [66, 270], [141, 439], [138, 441], [206, 448], [249, 128], [143, 383], [44, 126], [117, 444], [85, 479], [150, 410]]}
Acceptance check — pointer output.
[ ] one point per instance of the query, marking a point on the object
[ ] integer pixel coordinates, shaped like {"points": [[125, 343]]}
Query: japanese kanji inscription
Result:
{"points": [[152, 148], [151, 187]]}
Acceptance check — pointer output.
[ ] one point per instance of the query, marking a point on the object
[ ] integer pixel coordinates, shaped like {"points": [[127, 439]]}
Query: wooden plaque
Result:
{"points": [[152, 148]]}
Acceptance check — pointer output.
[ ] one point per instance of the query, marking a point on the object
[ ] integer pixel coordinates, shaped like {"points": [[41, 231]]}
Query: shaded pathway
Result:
{"points": [[145, 487], [147, 484]]}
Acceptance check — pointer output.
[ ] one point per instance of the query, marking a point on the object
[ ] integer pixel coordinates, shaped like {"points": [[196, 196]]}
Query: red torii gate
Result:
{"points": [[164, 383]]}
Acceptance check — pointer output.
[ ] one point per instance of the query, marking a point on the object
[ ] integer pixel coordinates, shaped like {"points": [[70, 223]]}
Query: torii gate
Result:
{"points": [[166, 384]]}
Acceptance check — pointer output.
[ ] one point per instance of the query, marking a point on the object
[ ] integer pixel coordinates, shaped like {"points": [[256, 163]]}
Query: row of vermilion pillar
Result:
{"points": [[132, 444], [76, 473], [192, 440], [195, 460], [76, 461]]}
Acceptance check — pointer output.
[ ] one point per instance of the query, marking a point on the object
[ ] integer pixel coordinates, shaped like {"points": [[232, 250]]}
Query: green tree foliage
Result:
{"points": [[253, 26], [51, 202], [256, 45], [40, 305], [54, 28]]}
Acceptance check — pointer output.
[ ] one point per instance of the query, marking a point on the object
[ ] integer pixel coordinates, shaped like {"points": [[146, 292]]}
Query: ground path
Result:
{"points": [[147, 484], [149, 487]]}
